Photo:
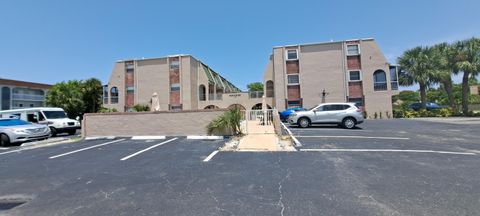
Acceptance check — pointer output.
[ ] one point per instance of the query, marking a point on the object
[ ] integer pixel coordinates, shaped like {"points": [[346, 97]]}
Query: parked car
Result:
{"points": [[55, 118], [284, 115], [429, 106], [345, 114], [19, 131]]}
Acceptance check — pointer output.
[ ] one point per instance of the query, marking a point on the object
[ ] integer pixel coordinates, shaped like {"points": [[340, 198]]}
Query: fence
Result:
{"points": [[258, 121]]}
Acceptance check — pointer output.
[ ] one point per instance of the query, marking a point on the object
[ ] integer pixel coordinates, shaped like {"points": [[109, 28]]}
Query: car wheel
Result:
{"points": [[4, 140], [349, 123], [304, 122], [53, 131]]}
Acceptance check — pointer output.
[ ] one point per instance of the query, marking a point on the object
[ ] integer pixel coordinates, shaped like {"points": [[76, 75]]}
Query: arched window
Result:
{"points": [[269, 88], [202, 93], [379, 80], [5, 98], [114, 95]]}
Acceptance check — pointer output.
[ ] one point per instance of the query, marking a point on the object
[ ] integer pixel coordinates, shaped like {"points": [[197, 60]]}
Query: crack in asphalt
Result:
{"points": [[217, 203], [280, 187]]}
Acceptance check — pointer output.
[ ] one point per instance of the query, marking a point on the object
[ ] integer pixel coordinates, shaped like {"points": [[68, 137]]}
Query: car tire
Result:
{"points": [[304, 122], [349, 123], [4, 140], [72, 132], [53, 131]]}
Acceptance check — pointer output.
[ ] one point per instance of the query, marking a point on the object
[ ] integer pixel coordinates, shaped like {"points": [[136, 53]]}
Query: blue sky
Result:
{"points": [[51, 41]]}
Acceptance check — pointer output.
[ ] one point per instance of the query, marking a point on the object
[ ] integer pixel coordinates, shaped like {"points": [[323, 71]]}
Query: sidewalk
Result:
{"points": [[261, 138]]}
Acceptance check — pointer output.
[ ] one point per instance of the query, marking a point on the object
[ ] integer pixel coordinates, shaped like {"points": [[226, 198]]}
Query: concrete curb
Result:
{"points": [[100, 138], [148, 137], [205, 137], [295, 140]]}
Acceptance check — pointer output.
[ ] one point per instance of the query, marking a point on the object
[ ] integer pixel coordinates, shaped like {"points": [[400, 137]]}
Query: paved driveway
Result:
{"points": [[170, 177]]}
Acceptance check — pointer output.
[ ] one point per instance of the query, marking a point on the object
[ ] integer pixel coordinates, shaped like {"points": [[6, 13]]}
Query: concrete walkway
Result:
{"points": [[261, 138]]}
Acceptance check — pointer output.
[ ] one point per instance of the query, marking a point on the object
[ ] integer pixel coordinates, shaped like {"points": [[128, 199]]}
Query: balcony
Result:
{"points": [[380, 86], [28, 97], [212, 96], [256, 94]]}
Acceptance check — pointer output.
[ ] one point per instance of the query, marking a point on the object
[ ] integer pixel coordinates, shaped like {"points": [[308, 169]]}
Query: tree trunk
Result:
{"points": [[465, 92], [423, 95], [449, 90]]}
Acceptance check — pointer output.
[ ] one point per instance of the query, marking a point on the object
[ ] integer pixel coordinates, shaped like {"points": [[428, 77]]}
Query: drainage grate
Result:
{"points": [[7, 205]]}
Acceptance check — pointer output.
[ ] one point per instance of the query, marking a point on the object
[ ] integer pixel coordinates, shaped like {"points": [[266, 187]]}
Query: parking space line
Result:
{"points": [[210, 156], [387, 150], [359, 137], [295, 140], [84, 149], [144, 150]]}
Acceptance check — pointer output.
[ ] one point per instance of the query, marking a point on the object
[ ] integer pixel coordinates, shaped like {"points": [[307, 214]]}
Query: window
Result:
{"points": [[105, 94], [294, 104], [129, 66], [379, 80], [5, 98], [114, 95], [394, 77], [130, 89], [292, 54], [358, 101], [175, 87], [353, 49], [293, 79], [174, 65], [354, 76], [202, 96]]}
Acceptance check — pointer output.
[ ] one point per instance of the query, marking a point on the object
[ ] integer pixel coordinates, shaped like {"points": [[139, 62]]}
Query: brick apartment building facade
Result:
{"points": [[15, 94], [344, 71], [296, 76]]}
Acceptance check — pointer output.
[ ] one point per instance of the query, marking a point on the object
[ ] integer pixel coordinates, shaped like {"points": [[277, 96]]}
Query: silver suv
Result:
{"points": [[344, 114]]}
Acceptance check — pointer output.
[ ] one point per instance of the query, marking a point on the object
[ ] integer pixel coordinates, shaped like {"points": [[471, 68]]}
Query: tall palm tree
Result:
{"points": [[417, 66], [467, 60], [443, 69]]}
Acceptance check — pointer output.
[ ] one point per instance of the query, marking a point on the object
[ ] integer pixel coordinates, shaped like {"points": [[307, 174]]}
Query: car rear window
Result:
{"points": [[12, 122]]}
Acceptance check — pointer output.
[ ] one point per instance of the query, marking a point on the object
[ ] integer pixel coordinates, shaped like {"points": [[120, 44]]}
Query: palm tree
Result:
{"points": [[443, 70], [467, 60], [417, 66]]}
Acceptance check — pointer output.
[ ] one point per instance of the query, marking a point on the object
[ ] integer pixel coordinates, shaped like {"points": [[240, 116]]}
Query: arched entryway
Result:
{"points": [[211, 107], [233, 106], [259, 106]]}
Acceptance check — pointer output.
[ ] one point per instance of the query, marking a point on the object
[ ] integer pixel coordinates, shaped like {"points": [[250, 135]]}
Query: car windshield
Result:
{"points": [[12, 122], [54, 114]]}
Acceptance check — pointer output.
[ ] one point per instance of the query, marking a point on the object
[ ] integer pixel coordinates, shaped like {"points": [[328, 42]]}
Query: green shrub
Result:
{"points": [[141, 108], [107, 110], [227, 123]]}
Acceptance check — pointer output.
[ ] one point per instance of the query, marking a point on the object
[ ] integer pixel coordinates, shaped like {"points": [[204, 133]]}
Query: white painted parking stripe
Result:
{"points": [[144, 150], [358, 137], [84, 149], [209, 157], [387, 150], [148, 137]]}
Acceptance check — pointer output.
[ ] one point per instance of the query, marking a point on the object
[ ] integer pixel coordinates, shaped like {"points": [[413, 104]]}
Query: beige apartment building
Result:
{"points": [[181, 82], [301, 75], [16, 94], [356, 71]]}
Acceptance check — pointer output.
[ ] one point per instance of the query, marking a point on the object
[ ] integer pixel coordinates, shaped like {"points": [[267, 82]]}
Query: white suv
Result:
{"points": [[345, 114]]}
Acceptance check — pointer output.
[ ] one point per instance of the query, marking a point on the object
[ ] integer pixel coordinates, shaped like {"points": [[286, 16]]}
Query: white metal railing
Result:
{"points": [[28, 97], [255, 94], [254, 121]]}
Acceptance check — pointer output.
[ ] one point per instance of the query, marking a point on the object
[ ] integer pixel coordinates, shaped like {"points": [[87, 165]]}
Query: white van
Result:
{"points": [[55, 118]]}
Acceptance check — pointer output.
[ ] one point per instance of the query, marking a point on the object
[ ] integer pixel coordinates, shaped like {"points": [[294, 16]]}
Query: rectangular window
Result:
{"points": [[130, 89], [175, 87], [174, 65], [394, 77], [293, 79], [292, 54], [294, 104], [353, 49], [354, 76], [129, 67]]}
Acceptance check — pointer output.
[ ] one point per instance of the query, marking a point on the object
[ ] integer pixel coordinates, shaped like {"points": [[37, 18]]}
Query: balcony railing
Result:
{"points": [[114, 100], [212, 96], [28, 97], [380, 86], [256, 94]]}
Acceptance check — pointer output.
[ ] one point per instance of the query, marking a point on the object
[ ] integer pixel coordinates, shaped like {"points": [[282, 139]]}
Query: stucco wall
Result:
{"points": [[182, 123]]}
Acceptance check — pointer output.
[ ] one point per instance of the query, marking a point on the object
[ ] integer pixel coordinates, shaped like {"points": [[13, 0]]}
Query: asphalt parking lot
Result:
{"points": [[336, 172]]}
